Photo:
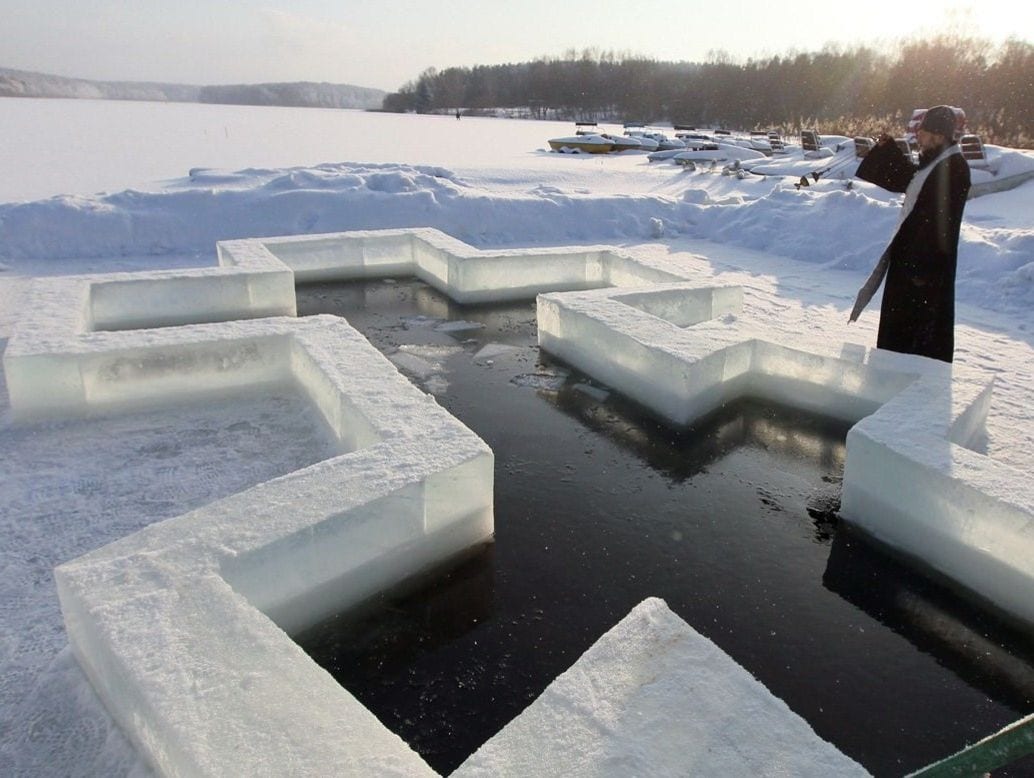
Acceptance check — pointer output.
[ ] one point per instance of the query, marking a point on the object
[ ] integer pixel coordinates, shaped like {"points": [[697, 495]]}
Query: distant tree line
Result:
{"points": [[849, 91], [305, 94]]}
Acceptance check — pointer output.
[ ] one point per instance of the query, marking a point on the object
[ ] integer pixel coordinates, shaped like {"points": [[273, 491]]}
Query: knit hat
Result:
{"points": [[940, 120]]}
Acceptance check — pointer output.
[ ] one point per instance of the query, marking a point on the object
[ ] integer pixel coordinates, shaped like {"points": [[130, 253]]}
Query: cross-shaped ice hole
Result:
{"points": [[436, 695], [140, 612], [553, 518]]}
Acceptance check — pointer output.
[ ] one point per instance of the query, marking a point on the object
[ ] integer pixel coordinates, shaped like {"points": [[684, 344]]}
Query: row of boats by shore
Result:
{"points": [[807, 157], [589, 139]]}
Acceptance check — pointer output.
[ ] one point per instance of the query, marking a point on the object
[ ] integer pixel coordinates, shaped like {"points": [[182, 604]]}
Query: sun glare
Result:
{"points": [[996, 20]]}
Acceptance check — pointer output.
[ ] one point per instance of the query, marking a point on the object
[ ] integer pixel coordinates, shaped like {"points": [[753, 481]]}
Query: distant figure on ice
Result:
{"points": [[918, 311]]}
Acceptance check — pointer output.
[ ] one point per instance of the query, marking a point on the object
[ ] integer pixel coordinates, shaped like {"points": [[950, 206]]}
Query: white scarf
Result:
{"points": [[915, 186]]}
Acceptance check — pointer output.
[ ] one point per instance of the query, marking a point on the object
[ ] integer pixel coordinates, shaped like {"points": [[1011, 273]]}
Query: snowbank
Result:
{"points": [[824, 224]]}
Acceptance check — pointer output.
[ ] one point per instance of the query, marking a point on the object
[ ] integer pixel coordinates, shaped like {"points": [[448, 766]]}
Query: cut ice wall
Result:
{"points": [[180, 626], [909, 479], [464, 273]]}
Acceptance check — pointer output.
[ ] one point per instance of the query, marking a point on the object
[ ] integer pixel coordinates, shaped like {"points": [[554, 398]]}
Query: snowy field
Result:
{"points": [[98, 186]]}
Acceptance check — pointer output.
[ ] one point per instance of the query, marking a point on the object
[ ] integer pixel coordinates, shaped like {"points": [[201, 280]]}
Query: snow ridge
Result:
{"points": [[191, 214]]}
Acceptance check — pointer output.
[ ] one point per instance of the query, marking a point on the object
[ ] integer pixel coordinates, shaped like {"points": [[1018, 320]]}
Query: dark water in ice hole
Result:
{"points": [[598, 506]]}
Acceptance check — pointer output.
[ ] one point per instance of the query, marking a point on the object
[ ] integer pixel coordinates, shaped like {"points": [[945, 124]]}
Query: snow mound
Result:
{"points": [[835, 222]]}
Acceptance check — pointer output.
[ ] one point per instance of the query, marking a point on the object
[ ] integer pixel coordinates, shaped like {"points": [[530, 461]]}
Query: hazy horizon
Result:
{"points": [[73, 77], [355, 42]]}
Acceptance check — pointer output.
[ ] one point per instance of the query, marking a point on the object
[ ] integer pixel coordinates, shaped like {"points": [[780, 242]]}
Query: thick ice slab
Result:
{"points": [[54, 361], [182, 627], [654, 697], [911, 478], [50, 361], [466, 274]]}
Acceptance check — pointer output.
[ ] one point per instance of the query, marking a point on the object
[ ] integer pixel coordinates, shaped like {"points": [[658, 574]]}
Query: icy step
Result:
{"points": [[654, 697]]}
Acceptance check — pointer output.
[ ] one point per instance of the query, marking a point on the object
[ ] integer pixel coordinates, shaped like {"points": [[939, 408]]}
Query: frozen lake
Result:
{"points": [[88, 146]]}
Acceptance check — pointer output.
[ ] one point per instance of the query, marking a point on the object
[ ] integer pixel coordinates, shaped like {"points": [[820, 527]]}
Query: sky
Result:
{"points": [[384, 44]]}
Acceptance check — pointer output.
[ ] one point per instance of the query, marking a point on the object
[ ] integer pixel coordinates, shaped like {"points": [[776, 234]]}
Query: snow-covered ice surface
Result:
{"points": [[799, 254], [70, 486]]}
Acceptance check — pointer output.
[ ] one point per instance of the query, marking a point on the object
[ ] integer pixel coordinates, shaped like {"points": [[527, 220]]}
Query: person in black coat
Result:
{"points": [[918, 311]]}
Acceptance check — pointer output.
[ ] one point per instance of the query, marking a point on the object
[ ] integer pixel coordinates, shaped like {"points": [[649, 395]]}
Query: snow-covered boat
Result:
{"points": [[757, 141], [693, 135], [664, 143], [649, 140], [646, 142], [699, 144], [624, 142], [663, 154], [586, 144], [718, 152]]}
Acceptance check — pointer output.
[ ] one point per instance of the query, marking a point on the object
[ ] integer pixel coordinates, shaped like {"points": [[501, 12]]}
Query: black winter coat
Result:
{"points": [[918, 311]]}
